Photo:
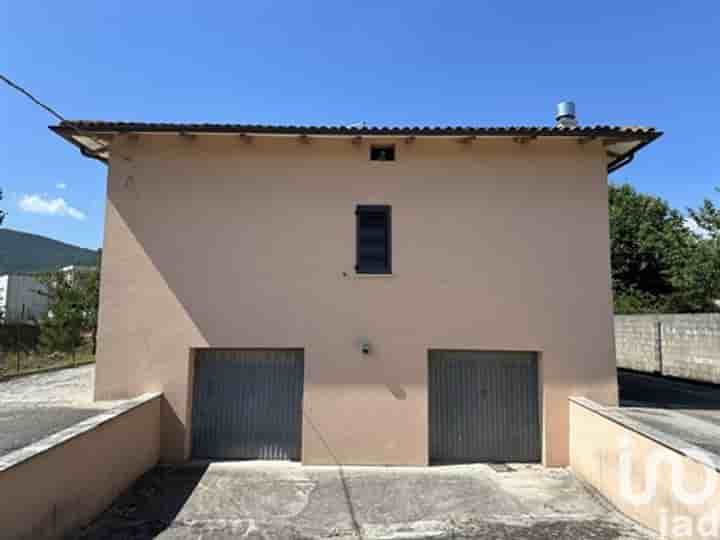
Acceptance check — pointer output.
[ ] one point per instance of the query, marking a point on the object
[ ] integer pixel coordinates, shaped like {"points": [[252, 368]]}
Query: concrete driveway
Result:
{"points": [[282, 500], [35, 406]]}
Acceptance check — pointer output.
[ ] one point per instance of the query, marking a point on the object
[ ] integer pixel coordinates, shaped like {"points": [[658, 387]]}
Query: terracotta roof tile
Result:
{"points": [[596, 130]]}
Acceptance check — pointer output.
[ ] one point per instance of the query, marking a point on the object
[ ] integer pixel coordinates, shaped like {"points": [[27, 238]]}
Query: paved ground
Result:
{"points": [[283, 500], [654, 391], [35, 406], [686, 410]]}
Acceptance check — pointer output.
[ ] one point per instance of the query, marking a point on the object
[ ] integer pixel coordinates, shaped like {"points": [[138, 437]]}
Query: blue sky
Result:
{"points": [[401, 62]]}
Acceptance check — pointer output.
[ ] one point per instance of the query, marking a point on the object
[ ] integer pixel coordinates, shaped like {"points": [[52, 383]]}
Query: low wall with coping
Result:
{"points": [[623, 459], [62, 482], [686, 346]]}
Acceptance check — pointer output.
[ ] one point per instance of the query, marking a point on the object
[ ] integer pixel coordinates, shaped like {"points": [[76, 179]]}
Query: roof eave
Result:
{"points": [[72, 133], [626, 158], [67, 134]]}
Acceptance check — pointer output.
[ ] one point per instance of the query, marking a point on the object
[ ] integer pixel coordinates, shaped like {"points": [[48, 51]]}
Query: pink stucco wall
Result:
{"points": [[597, 447], [62, 483], [212, 241]]}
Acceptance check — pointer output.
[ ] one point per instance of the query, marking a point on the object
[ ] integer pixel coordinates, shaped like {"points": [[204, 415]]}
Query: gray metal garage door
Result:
{"points": [[247, 404], [484, 407]]}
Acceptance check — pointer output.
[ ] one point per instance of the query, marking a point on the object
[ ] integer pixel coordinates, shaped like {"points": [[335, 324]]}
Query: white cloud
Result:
{"points": [[693, 227], [61, 185], [37, 204]]}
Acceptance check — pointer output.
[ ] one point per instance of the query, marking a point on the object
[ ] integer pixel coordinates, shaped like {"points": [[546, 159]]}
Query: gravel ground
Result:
{"points": [[35, 406], [65, 385]]}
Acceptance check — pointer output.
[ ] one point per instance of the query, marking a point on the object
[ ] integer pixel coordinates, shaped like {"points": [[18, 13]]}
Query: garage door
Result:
{"points": [[484, 407], [247, 404]]}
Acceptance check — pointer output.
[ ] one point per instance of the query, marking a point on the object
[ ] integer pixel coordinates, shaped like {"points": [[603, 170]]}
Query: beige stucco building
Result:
{"points": [[358, 295]]}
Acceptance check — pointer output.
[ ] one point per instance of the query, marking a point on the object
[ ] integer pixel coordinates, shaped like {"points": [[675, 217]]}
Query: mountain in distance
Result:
{"points": [[22, 252]]}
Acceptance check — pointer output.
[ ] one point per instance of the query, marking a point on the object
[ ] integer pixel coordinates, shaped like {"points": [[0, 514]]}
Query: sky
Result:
{"points": [[319, 62]]}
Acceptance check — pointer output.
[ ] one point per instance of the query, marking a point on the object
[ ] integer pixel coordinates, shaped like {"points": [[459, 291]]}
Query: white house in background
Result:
{"points": [[75, 270], [21, 298]]}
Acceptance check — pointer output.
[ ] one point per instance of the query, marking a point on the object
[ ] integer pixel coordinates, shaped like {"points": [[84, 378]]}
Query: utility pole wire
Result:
{"points": [[94, 154], [31, 97]]}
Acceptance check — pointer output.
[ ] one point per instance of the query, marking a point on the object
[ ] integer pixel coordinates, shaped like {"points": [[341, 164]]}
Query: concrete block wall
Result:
{"points": [[691, 346], [685, 346], [637, 342]]}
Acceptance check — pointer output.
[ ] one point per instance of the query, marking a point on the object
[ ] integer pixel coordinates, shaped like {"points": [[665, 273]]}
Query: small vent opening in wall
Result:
{"points": [[384, 152]]}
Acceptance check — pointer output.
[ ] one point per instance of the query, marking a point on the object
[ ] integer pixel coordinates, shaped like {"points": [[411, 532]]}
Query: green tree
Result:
{"points": [[707, 218], [700, 278], [697, 281], [648, 240], [62, 329], [658, 263], [89, 284], [2, 213]]}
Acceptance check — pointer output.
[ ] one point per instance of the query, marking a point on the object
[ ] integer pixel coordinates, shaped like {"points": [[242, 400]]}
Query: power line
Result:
{"points": [[90, 153], [32, 98]]}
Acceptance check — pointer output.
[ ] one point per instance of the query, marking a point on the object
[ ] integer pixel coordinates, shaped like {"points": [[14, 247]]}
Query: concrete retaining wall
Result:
{"points": [[61, 483], [686, 346], [601, 439]]}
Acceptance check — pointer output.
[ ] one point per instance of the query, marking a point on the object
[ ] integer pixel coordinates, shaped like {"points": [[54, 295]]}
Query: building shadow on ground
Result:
{"points": [[148, 507]]}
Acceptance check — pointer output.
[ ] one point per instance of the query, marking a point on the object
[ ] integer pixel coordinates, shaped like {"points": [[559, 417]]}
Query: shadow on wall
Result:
{"points": [[232, 299], [199, 296], [397, 391], [149, 507]]}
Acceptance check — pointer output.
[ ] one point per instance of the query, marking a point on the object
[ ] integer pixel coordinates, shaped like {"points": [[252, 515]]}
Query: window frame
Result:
{"points": [[385, 209]]}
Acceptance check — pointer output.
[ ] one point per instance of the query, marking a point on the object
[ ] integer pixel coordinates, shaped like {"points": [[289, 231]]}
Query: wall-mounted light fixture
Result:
{"points": [[365, 345]]}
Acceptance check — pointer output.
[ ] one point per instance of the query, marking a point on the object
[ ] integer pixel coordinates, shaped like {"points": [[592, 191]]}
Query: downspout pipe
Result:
{"points": [[618, 164]]}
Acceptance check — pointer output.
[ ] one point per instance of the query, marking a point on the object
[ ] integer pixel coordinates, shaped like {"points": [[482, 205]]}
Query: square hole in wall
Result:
{"points": [[382, 152]]}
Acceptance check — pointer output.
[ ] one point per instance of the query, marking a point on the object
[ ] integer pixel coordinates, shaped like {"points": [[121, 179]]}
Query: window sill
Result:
{"points": [[372, 276]]}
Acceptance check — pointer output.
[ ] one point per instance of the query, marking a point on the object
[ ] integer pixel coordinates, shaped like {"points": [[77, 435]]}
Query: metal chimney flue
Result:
{"points": [[565, 116]]}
